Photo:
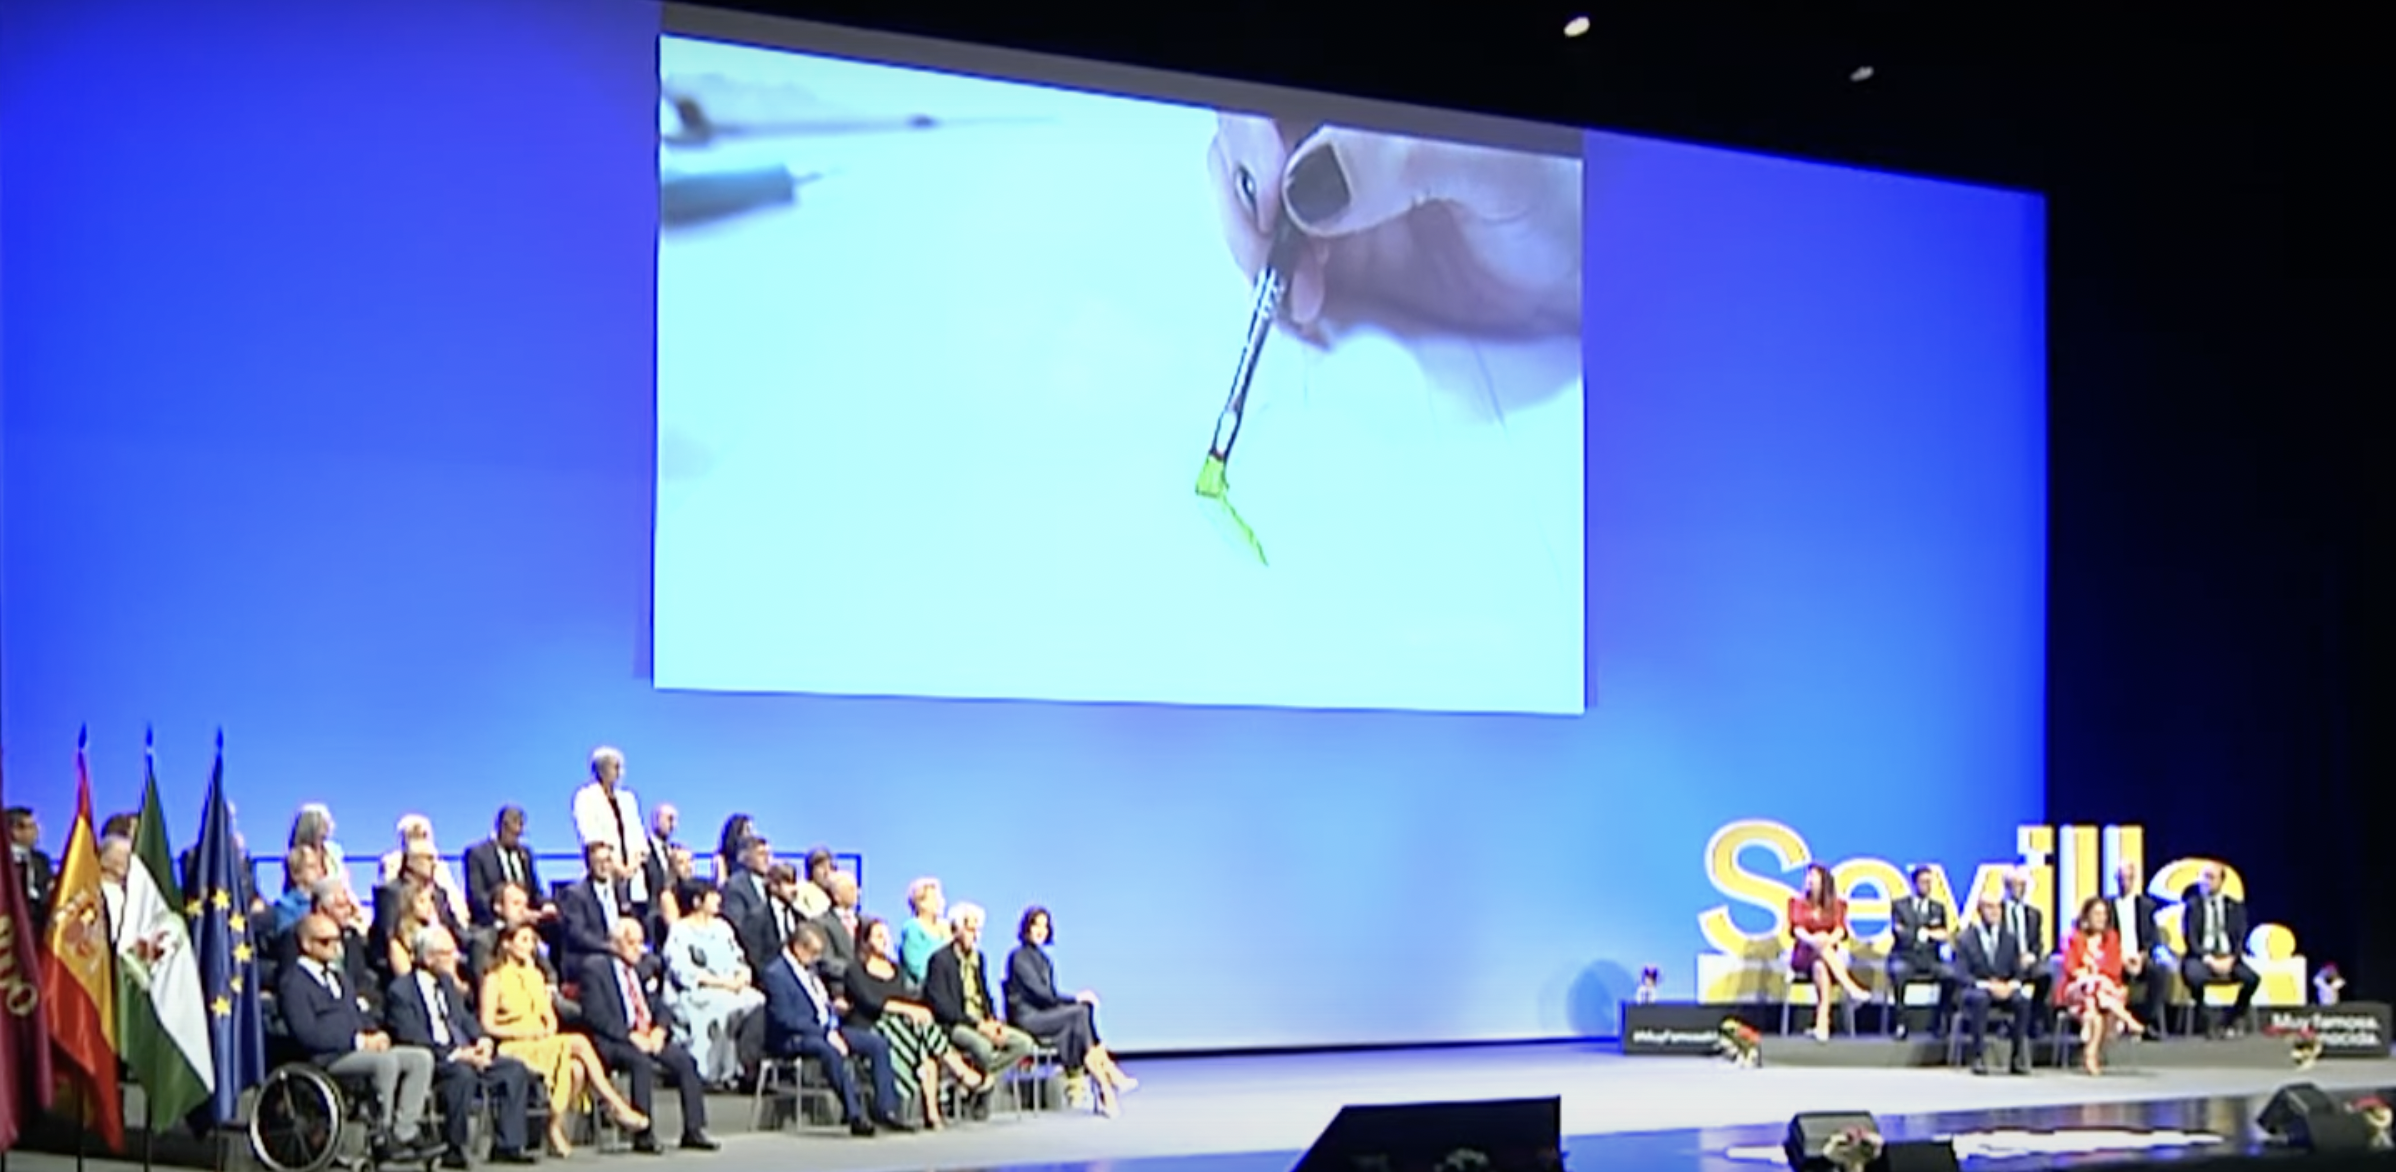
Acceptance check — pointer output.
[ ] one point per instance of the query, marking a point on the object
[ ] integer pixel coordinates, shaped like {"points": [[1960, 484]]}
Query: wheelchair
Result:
{"points": [[304, 1119]]}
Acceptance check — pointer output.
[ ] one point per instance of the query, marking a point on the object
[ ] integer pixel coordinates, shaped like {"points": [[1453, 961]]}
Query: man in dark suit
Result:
{"points": [[657, 874], [1919, 922], [501, 858], [35, 874], [327, 1017], [2145, 964], [427, 1009], [749, 902], [801, 1023], [590, 908], [624, 1012], [956, 981], [2028, 923], [2216, 931], [839, 923], [331, 898], [1988, 963]]}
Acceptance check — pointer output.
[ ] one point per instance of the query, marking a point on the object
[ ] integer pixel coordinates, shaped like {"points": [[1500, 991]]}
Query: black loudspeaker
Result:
{"points": [[2304, 1116], [1917, 1155], [1810, 1132], [1498, 1135], [2290, 1104]]}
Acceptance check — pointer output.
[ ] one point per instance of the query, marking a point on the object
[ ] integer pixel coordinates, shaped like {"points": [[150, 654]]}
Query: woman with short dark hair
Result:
{"points": [[1068, 1023]]}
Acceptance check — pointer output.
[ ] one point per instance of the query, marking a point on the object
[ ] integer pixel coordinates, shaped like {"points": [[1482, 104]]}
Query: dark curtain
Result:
{"points": [[2220, 571]]}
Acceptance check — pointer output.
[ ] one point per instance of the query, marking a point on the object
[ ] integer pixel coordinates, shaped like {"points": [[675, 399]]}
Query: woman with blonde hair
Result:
{"points": [[517, 1012], [926, 931]]}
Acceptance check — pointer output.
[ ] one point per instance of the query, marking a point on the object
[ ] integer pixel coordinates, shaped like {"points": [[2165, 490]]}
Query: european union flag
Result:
{"points": [[227, 942]]}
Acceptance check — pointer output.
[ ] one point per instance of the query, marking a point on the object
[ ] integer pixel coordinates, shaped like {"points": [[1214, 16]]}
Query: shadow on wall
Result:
{"points": [[1594, 1003]]}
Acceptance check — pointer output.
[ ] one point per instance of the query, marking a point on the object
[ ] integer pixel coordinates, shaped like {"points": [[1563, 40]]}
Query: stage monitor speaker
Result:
{"points": [[1812, 1131], [1917, 1155], [2305, 1116], [1496, 1135]]}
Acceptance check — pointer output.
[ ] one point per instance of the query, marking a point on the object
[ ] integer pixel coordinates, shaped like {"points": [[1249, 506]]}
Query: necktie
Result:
{"points": [[815, 993], [633, 998], [513, 866], [438, 1002], [607, 904], [2213, 927], [784, 920], [1988, 943], [332, 980], [2021, 937]]}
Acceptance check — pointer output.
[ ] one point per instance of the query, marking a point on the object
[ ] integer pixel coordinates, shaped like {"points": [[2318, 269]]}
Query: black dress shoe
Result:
{"points": [[861, 1128], [2021, 1065], [889, 1123], [455, 1159], [1979, 1066], [646, 1144], [699, 1141], [512, 1156]]}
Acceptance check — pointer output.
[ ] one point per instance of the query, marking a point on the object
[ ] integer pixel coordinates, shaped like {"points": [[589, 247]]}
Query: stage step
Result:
{"points": [[2246, 1053]]}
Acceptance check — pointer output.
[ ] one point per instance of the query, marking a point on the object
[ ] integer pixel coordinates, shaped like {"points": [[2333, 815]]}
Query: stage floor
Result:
{"points": [[1675, 1114]]}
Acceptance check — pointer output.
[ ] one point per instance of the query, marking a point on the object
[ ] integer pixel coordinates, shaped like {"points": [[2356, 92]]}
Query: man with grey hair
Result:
{"points": [[427, 1009], [116, 862], [957, 983]]}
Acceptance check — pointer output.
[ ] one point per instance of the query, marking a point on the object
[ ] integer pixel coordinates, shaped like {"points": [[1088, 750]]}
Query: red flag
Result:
{"points": [[78, 972], [25, 1087]]}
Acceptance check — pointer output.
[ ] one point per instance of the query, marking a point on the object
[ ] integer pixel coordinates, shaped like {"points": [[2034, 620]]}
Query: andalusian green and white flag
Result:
{"points": [[162, 1017]]}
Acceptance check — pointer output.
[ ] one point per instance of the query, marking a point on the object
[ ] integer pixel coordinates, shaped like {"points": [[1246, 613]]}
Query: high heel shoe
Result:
{"points": [[629, 1119]]}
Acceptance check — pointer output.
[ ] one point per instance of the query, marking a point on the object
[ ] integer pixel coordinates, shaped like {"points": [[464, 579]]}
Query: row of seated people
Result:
{"points": [[2114, 961], [713, 977]]}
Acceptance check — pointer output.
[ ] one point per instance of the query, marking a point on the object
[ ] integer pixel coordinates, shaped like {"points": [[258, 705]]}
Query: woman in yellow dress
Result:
{"points": [[517, 1011]]}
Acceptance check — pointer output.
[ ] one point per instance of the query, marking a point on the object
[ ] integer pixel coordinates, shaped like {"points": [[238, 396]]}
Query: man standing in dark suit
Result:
{"points": [[35, 874], [839, 923], [1920, 925], [327, 1017], [625, 1015], [1988, 961], [427, 1008], [2216, 931], [2145, 965], [2028, 923], [591, 907], [501, 858], [801, 1023], [749, 901]]}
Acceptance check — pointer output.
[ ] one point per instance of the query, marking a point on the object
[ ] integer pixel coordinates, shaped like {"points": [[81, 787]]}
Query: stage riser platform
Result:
{"points": [[2248, 1053], [229, 1151]]}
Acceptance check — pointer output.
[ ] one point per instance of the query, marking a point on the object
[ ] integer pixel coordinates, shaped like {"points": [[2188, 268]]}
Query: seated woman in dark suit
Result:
{"points": [[1818, 919], [1068, 1023]]}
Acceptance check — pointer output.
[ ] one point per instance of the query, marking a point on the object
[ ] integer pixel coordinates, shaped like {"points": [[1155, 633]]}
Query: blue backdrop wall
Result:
{"points": [[329, 419]]}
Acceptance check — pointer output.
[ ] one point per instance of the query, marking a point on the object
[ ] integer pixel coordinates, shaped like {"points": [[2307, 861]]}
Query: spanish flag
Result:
{"points": [[77, 974]]}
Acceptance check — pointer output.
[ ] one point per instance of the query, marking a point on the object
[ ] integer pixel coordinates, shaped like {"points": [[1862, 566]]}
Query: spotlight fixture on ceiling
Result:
{"points": [[1577, 26], [1862, 73]]}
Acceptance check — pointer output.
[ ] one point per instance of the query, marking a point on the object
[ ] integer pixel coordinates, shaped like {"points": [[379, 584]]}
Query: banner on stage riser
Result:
{"points": [[2349, 1029]]}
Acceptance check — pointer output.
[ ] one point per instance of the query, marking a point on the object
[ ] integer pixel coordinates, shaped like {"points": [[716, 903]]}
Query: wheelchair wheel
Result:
{"points": [[297, 1123]]}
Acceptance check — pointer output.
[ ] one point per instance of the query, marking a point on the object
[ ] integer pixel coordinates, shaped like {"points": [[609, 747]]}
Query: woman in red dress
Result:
{"points": [[2093, 988], [1818, 919]]}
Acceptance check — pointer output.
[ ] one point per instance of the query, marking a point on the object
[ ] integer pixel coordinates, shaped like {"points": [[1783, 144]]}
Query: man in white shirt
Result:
{"points": [[605, 811]]}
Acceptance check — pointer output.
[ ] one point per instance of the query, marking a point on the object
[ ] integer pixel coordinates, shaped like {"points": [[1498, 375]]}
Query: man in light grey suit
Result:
{"points": [[839, 923]]}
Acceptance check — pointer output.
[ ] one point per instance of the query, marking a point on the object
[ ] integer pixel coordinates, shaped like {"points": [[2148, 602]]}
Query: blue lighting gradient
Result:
{"points": [[327, 346]]}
